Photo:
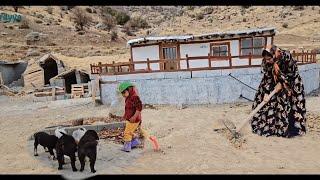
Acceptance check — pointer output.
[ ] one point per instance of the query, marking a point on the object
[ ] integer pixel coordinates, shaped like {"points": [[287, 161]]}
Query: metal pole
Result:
{"points": [[241, 96], [242, 82]]}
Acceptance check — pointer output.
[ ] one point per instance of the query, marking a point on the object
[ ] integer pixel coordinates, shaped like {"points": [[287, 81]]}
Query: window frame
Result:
{"points": [[221, 44], [252, 47], [176, 52]]}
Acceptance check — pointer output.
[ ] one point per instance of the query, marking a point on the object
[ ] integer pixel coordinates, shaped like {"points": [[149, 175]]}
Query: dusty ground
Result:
{"points": [[187, 138]]}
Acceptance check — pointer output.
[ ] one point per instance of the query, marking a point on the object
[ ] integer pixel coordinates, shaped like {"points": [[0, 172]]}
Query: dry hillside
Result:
{"points": [[297, 25]]}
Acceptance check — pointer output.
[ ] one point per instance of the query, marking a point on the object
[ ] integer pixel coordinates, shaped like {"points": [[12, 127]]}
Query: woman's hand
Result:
{"points": [[278, 87], [266, 98]]}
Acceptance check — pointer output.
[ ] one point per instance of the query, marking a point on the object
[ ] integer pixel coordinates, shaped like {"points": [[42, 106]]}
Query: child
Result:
{"points": [[132, 115]]}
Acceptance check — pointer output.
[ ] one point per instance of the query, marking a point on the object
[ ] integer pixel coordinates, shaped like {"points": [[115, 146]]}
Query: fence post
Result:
{"points": [[53, 93], [230, 60], [302, 56], [148, 64], [209, 60], [250, 56], [187, 61], [100, 67], [130, 65], [114, 67]]}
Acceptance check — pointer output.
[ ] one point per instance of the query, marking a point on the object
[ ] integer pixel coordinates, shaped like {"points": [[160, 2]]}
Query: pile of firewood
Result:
{"points": [[4, 90], [115, 135]]}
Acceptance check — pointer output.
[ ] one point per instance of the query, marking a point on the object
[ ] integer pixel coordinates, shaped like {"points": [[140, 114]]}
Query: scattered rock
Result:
{"points": [[32, 52], [81, 32], [221, 18], [40, 16], [4, 33], [181, 106], [33, 36], [38, 21]]}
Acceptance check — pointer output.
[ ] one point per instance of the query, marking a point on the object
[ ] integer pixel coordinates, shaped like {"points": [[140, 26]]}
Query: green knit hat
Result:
{"points": [[124, 85]]}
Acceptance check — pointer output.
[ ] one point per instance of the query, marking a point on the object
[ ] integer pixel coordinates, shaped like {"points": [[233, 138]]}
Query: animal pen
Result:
{"points": [[48, 76]]}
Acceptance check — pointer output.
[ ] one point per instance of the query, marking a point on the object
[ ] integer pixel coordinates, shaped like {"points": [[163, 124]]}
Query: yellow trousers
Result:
{"points": [[130, 129]]}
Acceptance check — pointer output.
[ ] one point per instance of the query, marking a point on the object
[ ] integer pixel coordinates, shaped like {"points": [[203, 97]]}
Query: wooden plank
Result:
{"points": [[41, 94], [53, 93], [1, 79]]}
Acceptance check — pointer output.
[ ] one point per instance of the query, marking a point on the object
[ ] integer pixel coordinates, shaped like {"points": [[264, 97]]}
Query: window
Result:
{"points": [[219, 50], [169, 52], [252, 45]]}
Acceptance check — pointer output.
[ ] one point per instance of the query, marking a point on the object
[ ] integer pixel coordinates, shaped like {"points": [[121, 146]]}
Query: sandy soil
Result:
{"points": [[187, 138]]}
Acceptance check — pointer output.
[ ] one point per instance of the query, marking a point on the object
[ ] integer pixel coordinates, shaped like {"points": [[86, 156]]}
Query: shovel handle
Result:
{"points": [[256, 110]]}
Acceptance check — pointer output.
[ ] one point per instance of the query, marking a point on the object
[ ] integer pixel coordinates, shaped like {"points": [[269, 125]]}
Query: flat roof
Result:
{"points": [[214, 35]]}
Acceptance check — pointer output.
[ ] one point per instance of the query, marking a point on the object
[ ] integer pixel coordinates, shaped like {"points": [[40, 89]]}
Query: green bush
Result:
{"points": [[122, 18], [108, 10], [138, 22]]}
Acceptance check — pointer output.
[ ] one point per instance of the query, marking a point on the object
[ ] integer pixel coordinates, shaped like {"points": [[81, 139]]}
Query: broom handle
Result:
{"points": [[256, 110]]}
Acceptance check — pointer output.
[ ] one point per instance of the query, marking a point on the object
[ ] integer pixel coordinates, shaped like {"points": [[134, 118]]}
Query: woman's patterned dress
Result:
{"points": [[283, 115]]}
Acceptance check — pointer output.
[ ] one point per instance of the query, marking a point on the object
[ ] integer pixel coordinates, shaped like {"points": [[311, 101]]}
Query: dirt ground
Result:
{"points": [[187, 138]]}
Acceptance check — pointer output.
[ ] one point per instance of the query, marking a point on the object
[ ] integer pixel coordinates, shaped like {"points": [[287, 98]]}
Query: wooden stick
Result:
{"points": [[53, 93], [255, 111], [1, 79]]}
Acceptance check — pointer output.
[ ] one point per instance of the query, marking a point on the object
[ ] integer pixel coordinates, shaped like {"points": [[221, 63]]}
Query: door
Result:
{"points": [[169, 55]]}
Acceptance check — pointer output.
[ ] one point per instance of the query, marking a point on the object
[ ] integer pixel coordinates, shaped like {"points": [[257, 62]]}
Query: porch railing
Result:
{"points": [[128, 67]]}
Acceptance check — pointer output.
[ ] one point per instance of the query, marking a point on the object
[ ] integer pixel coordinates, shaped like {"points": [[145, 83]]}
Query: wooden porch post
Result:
{"points": [[209, 60], [148, 64], [187, 61], [100, 67]]}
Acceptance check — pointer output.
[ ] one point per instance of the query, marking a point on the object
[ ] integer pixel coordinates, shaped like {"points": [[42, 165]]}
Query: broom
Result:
{"points": [[236, 132]]}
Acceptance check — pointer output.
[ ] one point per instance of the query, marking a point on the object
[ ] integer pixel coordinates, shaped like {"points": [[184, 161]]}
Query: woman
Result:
{"points": [[285, 113]]}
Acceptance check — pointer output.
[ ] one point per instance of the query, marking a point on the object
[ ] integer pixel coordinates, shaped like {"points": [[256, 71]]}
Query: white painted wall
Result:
{"points": [[268, 40], [198, 63], [256, 61], [234, 46], [198, 49], [144, 52], [222, 63], [183, 64], [240, 62]]}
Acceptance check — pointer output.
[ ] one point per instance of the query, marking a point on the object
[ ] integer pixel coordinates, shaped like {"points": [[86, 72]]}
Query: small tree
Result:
{"points": [[109, 21], [16, 8], [49, 9], [127, 29], [114, 35], [81, 19]]}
